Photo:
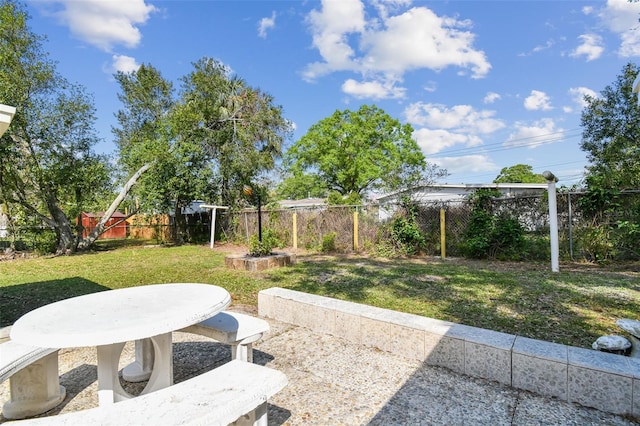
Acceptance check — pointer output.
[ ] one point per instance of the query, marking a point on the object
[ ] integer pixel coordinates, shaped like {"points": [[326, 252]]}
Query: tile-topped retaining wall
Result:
{"points": [[601, 380]]}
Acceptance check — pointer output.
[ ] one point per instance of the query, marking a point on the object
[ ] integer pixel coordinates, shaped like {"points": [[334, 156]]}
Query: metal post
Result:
{"points": [[553, 219], [259, 219], [214, 209], [213, 226], [443, 237], [570, 224], [295, 230], [355, 230]]}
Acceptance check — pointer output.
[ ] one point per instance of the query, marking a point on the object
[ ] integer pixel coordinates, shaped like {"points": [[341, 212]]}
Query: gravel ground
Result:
{"points": [[335, 382]]}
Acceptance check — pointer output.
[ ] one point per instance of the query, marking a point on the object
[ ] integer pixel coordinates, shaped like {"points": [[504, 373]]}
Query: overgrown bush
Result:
{"points": [[595, 242], [615, 220], [43, 241], [401, 236], [329, 242], [265, 247], [537, 247], [490, 236]]}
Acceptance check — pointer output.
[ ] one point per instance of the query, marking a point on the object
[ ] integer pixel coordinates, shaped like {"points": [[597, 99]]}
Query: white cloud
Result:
{"points": [[587, 10], [491, 97], [466, 164], [419, 38], [578, 94], [386, 7], [330, 28], [537, 100], [266, 24], [539, 133], [434, 141], [373, 89], [105, 23], [443, 127], [548, 45], [430, 86], [459, 117], [124, 64], [388, 45], [621, 17], [591, 47]]}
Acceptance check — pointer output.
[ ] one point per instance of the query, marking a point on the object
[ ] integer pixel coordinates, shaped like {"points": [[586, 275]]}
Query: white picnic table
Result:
{"points": [[109, 319]]}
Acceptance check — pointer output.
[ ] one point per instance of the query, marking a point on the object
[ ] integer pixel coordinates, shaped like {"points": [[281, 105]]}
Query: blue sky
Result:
{"points": [[485, 84]]}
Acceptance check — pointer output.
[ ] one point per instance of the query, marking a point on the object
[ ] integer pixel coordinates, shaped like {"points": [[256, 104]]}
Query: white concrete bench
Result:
{"points": [[34, 384], [238, 330], [235, 392]]}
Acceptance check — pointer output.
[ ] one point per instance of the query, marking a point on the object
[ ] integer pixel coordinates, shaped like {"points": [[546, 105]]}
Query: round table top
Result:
{"points": [[121, 315]]}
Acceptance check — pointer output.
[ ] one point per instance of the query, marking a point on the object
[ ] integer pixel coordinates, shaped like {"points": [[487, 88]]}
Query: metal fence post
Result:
{"points": [[443, 237], [570, 225], [355, 230], [295, 230]]}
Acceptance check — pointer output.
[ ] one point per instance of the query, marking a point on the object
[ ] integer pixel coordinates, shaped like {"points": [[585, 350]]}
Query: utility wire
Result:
{"points": [[512, 144]]}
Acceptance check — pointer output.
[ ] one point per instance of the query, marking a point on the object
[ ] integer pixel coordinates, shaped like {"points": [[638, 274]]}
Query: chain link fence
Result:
{"points": [[582, 234]]}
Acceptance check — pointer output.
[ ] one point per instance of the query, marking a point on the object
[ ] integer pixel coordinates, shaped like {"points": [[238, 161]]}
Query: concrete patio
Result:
{"points": [[333, 381]]}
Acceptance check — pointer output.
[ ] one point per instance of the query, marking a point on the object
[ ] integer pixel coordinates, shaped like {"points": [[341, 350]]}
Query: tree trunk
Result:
{"points": [[99, 229], [63, 228], [181, 224]]}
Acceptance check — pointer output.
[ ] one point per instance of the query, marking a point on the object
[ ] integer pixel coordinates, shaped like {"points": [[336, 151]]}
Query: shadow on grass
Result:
{"points": [[17, 300]]}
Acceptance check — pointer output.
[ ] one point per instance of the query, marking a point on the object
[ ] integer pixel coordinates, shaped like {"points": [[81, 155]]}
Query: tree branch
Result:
{"points": [[100, 228]]}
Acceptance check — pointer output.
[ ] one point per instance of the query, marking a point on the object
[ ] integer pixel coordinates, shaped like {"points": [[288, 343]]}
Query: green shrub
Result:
{"points": [[406, 235], [478, 235], [491, 236], [537, 247], [596, 243], [328, 242], [508, 239], [44, 241], [265, 247]]}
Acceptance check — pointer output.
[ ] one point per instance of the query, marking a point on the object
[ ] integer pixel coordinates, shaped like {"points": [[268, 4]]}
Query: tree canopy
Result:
{"points": [[239, 127], [215, 136], [520, 173], [48, 170], [218, 135], [352, 153], [611, 131]]}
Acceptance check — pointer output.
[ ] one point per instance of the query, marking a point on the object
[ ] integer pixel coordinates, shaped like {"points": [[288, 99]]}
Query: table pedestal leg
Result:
{"points": [[34, 389], [162, 374], [140, 369], [109, 388]]}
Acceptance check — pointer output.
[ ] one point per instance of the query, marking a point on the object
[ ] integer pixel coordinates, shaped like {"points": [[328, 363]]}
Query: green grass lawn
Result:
{"points": [[574, 306]]}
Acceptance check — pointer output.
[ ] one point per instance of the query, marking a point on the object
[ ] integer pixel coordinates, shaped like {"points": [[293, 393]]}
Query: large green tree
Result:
{"points": [[147, 135], [238, 126], [218, 135], [611, 138], [611, 134], [520, 173], [48, 170], [356, 152]]}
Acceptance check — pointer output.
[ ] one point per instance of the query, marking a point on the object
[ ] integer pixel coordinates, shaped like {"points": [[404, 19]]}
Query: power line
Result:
{"points": [[499, 146]]}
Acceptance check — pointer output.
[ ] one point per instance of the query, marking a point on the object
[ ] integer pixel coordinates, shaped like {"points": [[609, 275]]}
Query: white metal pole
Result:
{"points": [[213, 226], [214, 209], [553, 219]]}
